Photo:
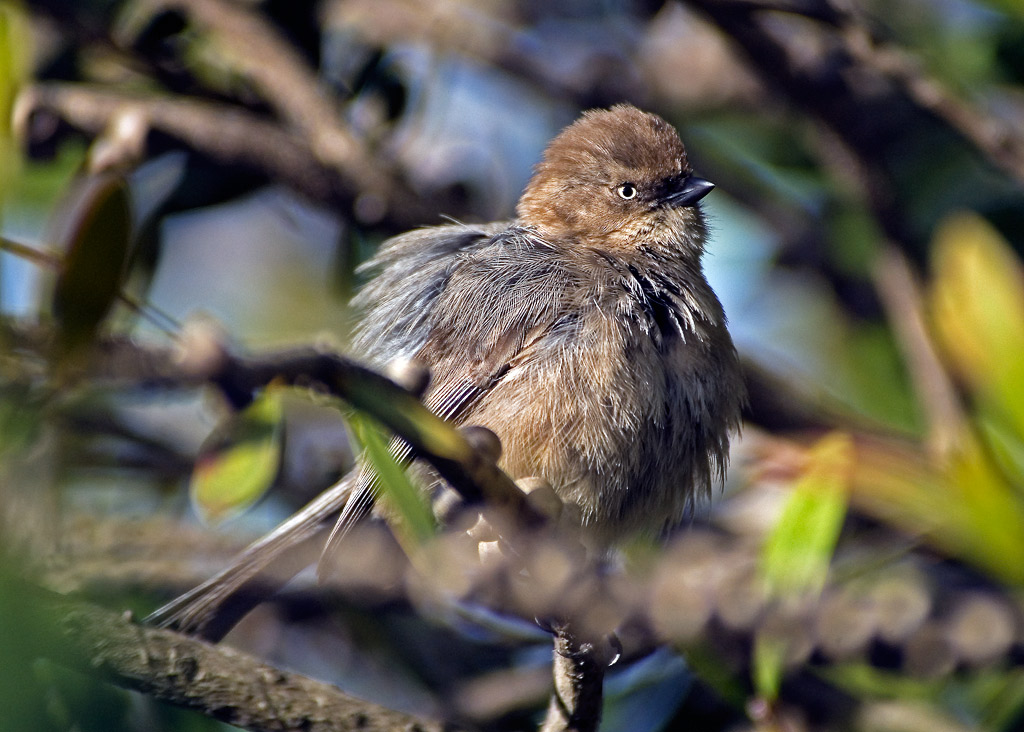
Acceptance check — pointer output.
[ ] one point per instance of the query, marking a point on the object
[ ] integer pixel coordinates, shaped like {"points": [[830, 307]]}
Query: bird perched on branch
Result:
{"points": [[583, 333]]}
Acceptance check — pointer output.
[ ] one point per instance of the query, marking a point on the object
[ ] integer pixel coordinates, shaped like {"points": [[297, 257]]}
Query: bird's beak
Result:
{"points": [[690, 191]]}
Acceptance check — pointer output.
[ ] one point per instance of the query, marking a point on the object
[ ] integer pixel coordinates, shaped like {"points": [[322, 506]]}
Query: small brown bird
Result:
{"points": [[583, 333]]}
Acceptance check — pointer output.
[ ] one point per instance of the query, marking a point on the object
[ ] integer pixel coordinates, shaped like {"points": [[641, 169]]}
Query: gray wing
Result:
{"points": [[408, 273], [468, 334], [412, 270], [406, 277]]}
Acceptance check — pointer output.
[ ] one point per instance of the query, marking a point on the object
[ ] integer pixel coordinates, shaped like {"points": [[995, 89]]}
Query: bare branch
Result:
{"points": [[579, 683], [231, 135]]}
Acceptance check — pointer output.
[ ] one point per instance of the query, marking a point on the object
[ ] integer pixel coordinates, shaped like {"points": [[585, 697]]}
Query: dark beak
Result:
{"points": [[691, 190]]}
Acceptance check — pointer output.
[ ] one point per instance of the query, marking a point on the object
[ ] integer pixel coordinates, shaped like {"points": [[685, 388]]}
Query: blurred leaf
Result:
{"points": [[977, 300], [871, 377], [410, 505], [798, 551], [42, 184], [713, 669], [992, 698], [1010, 7], [21, 418], [27, 627], [998, 695], [402, 412], [15, 63], [866, 681], [987, 512], [769, 157], [242, 462], [768, 662], [966, 508], [79, 702], [1005, 447], [854, 238], [96, 236]]}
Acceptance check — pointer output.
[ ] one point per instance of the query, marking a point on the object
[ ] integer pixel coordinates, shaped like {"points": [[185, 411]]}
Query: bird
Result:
{"points": [[583, 333]]}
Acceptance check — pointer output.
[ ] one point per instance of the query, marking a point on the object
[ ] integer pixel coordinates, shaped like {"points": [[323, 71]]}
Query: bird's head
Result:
{"points": [[617, 178]]}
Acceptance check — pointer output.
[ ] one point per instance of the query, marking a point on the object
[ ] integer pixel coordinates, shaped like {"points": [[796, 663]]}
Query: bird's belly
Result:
{"points": [[605, 438]]}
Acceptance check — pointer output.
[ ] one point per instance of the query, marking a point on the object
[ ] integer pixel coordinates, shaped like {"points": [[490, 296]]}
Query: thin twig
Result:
{"points": [[231, 135]]}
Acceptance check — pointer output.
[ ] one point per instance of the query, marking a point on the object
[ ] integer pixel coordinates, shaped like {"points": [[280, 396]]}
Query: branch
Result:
{"points": [[1001, 143], [231, 135], [900, 293], [579, 669], [288, 84], [824, 87], [227, 134], [219, 682]]}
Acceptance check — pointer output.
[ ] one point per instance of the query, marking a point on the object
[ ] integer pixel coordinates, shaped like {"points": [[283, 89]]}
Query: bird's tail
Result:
{"points": [[212, 608]]}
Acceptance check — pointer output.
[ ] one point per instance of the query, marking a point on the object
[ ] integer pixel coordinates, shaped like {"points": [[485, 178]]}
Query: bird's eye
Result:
{"points": [[626, 190]]}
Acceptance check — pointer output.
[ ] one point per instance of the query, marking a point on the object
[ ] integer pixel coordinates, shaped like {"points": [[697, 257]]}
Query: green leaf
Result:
{"points": [[96, 236], [865, 681], [1013, 8], [415, 520], [798, 551], [242, 462], [21, 418], [769, 658]]}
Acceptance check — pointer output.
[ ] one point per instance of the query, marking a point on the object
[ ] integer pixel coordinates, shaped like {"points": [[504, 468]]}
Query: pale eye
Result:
{"points": [[626, 190]]}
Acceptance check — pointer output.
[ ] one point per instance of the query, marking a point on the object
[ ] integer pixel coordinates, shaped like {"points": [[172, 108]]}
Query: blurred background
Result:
{"points": [[168, 165]]}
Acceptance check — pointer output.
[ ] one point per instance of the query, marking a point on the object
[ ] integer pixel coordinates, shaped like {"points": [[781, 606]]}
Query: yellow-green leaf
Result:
{"points": [[965, 507], [242, 462], [409, 505], [15, 62], [977, 300], [96, 236], [987, 513]]}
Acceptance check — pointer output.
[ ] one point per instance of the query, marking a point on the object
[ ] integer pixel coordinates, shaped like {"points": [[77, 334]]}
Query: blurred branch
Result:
{"points": [[99, 553], [465, 467], [1001, 143], [830, 84], [901, 296], [224, 133], [231, 135], [703, 593], [814, 77], [289, 86], [495, 38], [823, 85], [219, 682]]}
